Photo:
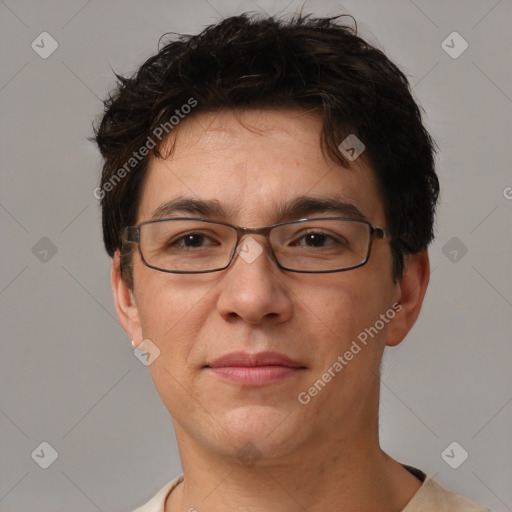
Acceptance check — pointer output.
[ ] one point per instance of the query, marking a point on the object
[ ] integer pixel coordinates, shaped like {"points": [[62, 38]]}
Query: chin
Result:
{"points": [[266, 428]]}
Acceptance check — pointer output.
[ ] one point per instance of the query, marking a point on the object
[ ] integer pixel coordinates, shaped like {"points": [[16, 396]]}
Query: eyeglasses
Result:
{"points": [[196, 245]]}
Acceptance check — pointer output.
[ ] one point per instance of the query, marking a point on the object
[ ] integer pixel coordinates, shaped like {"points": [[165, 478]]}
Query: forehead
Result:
{"points": [[253, 162]]}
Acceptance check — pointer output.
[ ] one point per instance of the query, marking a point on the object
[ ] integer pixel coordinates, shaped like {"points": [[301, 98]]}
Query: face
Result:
{"points": [[253, 164]]}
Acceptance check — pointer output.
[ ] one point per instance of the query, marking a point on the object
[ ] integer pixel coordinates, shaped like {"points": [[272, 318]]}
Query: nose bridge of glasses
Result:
{"points": [[243, 232], [254, 231], [249, 248]]}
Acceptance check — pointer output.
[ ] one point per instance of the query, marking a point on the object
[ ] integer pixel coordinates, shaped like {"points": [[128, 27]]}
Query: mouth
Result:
{"points": [[258, 369]]}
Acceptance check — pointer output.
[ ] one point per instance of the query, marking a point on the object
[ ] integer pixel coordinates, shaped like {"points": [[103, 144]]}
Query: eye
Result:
{"points": [[192, 240], [319, 239]]}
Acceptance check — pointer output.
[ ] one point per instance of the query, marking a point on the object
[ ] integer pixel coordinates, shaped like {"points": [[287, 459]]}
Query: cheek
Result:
{"points": [[171, 312], [170, 308], [345, 304]]}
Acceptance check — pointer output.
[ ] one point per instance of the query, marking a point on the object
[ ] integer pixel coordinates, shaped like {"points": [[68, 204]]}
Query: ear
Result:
{"points": [[410, 291], [124, 299]]}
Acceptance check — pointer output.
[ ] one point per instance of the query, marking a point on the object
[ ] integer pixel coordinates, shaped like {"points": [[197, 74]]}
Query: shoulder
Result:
{"points": [[432, 497], [157, 502]]}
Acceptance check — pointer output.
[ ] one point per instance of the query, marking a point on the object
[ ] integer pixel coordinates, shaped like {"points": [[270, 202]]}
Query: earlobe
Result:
{"points": [[126, 307], [411, 291]]}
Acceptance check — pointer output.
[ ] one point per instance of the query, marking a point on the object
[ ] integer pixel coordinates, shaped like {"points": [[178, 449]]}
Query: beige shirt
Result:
{"points": [[431, 497]]}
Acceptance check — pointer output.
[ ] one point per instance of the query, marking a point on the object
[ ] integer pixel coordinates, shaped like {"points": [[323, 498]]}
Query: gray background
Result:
{"points": [[68, 373]]}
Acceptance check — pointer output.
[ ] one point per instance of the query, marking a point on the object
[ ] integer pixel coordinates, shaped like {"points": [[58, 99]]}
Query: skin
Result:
{"points": [[324, 455]]}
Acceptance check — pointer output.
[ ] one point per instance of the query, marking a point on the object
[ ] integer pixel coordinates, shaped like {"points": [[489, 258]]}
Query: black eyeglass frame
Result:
{"points": [[132, 234]]}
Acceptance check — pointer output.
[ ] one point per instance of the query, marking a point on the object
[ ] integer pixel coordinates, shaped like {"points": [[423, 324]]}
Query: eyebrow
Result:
{"points": [[299, 207], [203, 207], [308, 205]]}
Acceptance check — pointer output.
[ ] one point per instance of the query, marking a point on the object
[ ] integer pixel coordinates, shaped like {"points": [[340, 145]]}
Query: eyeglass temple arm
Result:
{"points": [[132, 234]]}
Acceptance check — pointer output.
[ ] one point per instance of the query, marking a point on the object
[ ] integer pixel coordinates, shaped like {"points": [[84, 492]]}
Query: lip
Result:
{"points": [[254, 369], [251, 360]]}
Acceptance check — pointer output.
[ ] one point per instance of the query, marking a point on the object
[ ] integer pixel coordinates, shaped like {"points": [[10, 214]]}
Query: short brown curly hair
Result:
{"points": [[249, 61]]}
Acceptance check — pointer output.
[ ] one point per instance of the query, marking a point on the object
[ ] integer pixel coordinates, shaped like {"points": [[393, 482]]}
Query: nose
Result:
{"points": [[252, 288]]}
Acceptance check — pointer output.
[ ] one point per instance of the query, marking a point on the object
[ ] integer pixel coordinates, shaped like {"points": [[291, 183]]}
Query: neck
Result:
{"points": [[342, 474]]}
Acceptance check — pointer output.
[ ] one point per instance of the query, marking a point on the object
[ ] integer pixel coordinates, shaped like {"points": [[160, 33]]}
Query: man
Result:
{"points": [[268, 196]]}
